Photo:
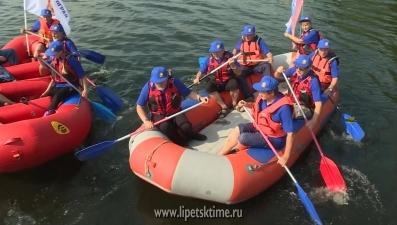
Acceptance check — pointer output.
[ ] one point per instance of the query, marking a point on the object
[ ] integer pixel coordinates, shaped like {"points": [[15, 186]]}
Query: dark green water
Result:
{"points": [[139, 35]]}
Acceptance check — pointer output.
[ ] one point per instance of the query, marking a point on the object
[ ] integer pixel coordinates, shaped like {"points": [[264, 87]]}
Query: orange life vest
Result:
{"points": [[307, 49], [173, 99], [62, 66], [322, 66], [44, 32], [264, 117], [222, 73], [302, 90], [250, 51]]}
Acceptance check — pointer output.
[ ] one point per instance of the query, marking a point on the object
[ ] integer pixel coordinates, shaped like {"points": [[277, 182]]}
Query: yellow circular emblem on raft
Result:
{"points": [[59, 128]]}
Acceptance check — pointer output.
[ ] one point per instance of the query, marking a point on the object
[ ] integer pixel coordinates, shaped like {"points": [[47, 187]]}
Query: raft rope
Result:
{"points": [[149, 158]]}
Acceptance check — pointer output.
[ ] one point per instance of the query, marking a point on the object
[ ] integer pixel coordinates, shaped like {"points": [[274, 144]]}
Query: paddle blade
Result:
{"points": [[92, 56], [201, 61], [308, 204], [331, 175], [94, 150], [110, 99], [104, 113], [352, 127]]}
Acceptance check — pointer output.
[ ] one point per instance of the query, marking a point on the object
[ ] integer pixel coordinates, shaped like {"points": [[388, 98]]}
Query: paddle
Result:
{"points": [[201, 60], [103, 112], [214, 70], [108, 97], [350, 124], [25, 101], [87, 54], [302, 195], [102, 147], [92, 56], [329, 171]]}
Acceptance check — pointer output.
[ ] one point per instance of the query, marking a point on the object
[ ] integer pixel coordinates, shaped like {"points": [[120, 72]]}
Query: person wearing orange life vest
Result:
{"points": [[225, 77], [70, 48], [306, 87], [162, 95], [42, 26], [70, 69], [272, 111], [307, 42], [325, 64], [252, 48]]}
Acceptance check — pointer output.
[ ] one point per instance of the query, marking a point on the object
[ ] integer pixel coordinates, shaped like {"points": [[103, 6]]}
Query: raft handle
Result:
{"points": [[12, 140]]}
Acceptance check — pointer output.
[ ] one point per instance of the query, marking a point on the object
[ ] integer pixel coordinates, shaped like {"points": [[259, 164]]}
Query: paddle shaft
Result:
{"points": [[38, 35], [337, 107], [158, 122], [302, 195], [270, 144], [335, 175], [304, 116], [25, 101], [254, 60], [26, 27], [91, 82], [216, 69]]}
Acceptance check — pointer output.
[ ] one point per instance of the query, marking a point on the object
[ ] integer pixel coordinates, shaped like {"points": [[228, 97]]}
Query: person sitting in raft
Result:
{"points": [[252, 48], [42, 25], [5, 101], [70, 68], [306, 88], [8, 56], [325, 64], [272, 111], [307, 42], [70, 48], [225, 77], [162, 95]]}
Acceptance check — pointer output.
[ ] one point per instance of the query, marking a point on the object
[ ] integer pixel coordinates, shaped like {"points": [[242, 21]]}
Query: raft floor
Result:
{"points": [[219, 130]]}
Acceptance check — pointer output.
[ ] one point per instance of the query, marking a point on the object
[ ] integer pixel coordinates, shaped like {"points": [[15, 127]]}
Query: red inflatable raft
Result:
{"points": [[27, 139], [26, 68]]}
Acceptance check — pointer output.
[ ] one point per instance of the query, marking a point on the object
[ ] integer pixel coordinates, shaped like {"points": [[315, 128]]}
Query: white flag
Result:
{"points": [[57, 8]]}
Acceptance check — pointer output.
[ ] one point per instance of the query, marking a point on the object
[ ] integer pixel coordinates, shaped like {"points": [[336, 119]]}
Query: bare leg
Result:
{"points": [[234, 95], [215, 95], [231, 142]]}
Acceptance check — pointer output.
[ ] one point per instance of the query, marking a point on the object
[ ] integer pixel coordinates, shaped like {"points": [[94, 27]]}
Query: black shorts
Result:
{"points": [[230, 85]]}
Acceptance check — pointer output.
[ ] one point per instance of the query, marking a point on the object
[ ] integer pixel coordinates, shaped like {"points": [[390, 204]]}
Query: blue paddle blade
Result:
{"points": [[110, 99], [104, 113], [94, 150], [201, 61], [352, 127], [308, 204], [92, 56]]}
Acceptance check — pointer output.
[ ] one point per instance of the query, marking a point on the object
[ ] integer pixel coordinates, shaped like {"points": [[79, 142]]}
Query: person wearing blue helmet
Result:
{"points": [[307, 42], [42, 26], [70, 69], [325, 64], [70, 48], [255, 58], [224, 79], [272, 113], [162, 96], [306, 88]]}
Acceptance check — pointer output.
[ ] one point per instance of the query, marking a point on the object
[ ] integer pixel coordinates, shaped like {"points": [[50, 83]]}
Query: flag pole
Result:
{"points": [[26, 27]]}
